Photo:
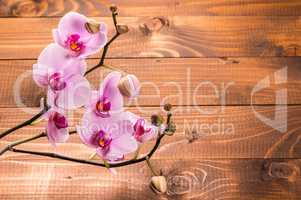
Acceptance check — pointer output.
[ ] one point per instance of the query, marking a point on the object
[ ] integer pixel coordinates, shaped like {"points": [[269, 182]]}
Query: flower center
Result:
{"points": [[74, 44], [56, 83], [103, 107], [139, 128], [104, 140], [60, 120]]}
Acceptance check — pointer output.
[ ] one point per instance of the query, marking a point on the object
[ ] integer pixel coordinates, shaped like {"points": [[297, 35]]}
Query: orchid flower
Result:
{"points": [[63, 76], [112, 138], [80, 35], [108, 100], [56, 128], [142, 130]]}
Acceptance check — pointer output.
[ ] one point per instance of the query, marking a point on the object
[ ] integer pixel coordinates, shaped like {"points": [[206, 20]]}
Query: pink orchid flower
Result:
{"points": [[63, 76], [79, 35], [108, 100], [142, 130], [111, 137], [56, 128]]}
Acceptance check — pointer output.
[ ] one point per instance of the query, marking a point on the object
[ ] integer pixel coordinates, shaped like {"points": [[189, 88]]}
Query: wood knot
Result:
{"points": [[153, 25], [178, 185], [29, 8], [280, 170]]}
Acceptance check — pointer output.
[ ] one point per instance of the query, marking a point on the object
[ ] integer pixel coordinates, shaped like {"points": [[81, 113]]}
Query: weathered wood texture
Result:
{"points": [[232, 144], [177, 36], [194, 81], [187, 179], [31, 8], [220, 132]]}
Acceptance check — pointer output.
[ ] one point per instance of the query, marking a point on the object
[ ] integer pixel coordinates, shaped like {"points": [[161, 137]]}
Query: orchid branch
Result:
{"points": [[84, 161], [118, 30], [16, 143], [101, 63], [26, 123], [146, 158]]}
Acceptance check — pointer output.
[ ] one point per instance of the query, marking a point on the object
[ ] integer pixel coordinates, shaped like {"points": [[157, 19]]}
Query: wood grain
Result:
{"points": [[31, 8], [191, 36], [202, 132], [186, 179], [194, 81]]}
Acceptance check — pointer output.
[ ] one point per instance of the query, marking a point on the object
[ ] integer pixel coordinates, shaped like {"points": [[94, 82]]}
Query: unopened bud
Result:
{"points": [[129, 86], [158, 184], [167, 107], [122, 29], [156, 120], [113, 8], [92, 26]]}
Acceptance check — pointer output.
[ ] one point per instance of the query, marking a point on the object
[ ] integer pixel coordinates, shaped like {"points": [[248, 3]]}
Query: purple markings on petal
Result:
{"points": [[60, 120], [74, 44], [104, 140], [103, 107], [56, 83], [139, 129]]}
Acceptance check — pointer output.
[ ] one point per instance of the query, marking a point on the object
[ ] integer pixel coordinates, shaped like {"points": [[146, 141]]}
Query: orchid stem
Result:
{"points": [[8, 147], [26, 123], [83, 161], [16, 143], [150, 166], [106, 47]]}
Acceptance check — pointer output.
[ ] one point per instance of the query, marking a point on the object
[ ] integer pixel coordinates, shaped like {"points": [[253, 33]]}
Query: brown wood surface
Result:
{"points": [[221, 132], [187, 179], [221, 150], [176, 36], [194, 81], [46, 8]]}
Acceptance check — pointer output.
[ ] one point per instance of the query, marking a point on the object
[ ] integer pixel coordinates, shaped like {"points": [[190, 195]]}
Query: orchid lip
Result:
{"points": [[103, 140], [103, 107], [60, 120], [56, 83], [74, 44]]}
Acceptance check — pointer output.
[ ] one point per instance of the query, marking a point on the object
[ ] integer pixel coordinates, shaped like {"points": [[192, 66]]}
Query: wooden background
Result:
{"points": [[236, 42]]}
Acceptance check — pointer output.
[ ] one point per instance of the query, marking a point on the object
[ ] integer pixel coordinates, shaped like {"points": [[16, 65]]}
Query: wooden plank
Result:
{"points": [[193, 81], [29, 8], [192, 179], [202, 132], [199, 36]]}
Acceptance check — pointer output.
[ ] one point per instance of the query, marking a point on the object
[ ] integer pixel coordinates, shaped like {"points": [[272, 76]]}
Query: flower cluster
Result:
{"points": [[106, 126]]}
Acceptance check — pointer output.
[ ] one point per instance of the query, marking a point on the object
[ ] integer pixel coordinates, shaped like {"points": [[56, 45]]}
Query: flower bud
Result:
{"points": [[129, 86], [122, 29], [113, 8], [158, 184], [92, 26], [167, 107], [157, 120]]}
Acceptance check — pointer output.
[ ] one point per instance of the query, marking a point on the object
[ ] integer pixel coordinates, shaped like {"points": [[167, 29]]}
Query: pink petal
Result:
{"points": [[57, 38], [40, 75], [149, 135], [87, 136], [96, 42], [110, 90], [72, 23], [120, 146], [76, 94], [56, 59], [56, 135]]}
